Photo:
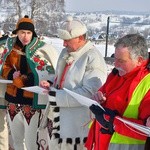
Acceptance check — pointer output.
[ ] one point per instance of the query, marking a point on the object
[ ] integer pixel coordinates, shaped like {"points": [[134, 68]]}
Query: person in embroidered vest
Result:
{"points": [[82, 69], [26, 61], [125, 94]]}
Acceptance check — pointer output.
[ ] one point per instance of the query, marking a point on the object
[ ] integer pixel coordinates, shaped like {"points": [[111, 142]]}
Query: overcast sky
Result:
{"points": [[101, 5]]}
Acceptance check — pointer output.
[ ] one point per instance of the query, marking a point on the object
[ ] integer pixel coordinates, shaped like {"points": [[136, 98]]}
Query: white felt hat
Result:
{"points": [[71, 28]]}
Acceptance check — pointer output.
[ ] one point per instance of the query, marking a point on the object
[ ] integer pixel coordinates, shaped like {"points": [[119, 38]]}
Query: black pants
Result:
{"points": [[147, 144]]}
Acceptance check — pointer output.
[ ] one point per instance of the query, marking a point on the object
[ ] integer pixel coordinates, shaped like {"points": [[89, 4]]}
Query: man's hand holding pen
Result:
{"points": [[17, 73]]}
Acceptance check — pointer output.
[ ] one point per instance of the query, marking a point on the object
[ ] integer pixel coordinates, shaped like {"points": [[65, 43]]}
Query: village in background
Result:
{"points": [[48, 16], [104, 27]]}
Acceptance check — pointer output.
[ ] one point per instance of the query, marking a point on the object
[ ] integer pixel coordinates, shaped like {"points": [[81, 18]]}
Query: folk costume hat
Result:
{"points": [[25, 24], [71, 28]]}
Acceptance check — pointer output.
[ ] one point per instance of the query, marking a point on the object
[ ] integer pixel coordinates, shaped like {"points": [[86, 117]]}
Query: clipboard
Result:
{"points": [[141, 128]]}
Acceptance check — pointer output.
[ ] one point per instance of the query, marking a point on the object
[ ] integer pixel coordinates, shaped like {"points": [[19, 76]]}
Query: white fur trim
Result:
{"points": [[53, 142]]}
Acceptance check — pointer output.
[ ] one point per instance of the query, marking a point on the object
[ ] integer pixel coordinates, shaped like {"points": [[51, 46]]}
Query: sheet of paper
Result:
{"points": [[35, 89], [141, 128], [82, 99], [5, 81]]}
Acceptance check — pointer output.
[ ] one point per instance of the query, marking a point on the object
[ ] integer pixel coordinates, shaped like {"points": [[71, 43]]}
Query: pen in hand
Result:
{"points": [[16, 73], [14, 67]]}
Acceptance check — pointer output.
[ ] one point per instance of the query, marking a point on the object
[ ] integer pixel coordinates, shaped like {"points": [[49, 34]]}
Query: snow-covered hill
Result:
{"points": [[120, 23], [58, 44]]}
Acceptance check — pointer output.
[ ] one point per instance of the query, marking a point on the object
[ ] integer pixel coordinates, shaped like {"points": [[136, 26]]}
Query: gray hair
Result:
{"points": [[136, 45]]}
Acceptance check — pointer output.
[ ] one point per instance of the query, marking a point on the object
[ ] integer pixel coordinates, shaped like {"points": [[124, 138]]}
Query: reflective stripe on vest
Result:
{"points": [[137, 96]]}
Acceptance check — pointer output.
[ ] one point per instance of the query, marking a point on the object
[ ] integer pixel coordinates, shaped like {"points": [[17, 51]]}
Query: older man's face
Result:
{"points": [[123, 61], [72, 44], [75, 44]]}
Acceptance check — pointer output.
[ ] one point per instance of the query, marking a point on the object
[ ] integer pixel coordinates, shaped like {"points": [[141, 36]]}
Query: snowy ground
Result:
{"points": [[58, 44]]}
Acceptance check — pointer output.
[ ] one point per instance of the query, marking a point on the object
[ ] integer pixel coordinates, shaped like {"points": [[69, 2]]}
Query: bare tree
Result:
{"points": [[146, 32], [47, 14], [17, 7]]}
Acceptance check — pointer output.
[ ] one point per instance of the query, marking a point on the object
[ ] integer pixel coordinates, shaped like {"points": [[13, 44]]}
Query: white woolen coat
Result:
{"points": [[85, 76]]}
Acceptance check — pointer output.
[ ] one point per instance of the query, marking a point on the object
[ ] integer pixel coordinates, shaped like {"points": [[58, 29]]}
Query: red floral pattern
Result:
{"points": [[49, 127], [27, 110], [36, 59], [1, 61], [2, 55], [40, 64], [5, 51], [13, 110], [43, 143]]}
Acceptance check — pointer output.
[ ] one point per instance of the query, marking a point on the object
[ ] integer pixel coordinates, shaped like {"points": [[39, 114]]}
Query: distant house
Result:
{"points": [[98, 37], [148, 37], [113, 36]]}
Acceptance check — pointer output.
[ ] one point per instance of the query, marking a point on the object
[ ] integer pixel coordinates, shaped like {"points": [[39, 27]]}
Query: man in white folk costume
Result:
{"points": [[82, 69]]}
